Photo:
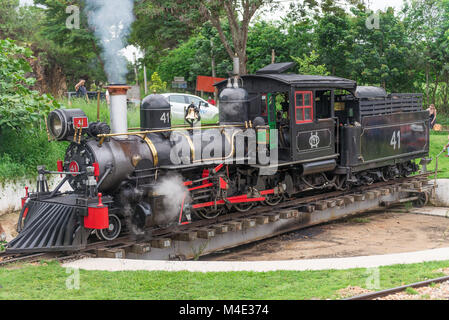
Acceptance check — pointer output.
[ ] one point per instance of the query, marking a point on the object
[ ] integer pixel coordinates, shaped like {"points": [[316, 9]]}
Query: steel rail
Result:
{"points": [[388, 292]]}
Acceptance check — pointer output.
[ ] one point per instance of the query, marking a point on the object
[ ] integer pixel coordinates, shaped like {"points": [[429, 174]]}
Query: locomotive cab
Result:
{"points": [[299, 111]]}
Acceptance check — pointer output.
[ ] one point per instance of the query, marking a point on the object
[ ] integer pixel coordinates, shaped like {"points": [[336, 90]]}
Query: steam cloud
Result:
{"points": [[111, 21], [174, 192]]}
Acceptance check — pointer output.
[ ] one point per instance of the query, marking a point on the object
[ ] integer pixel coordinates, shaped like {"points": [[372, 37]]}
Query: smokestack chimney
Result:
{"points": [[236, 65], [119, 111]]}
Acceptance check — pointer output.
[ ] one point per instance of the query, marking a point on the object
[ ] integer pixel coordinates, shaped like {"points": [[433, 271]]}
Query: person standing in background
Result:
{"points": [[211, 101], [81, 91], [432, 115]]}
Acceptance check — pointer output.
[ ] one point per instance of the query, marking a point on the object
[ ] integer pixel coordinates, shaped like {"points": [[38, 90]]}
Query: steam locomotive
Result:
{"points": [[279, 135]]}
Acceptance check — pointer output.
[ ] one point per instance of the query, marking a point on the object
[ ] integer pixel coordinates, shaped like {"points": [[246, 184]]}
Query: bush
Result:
{"points": [[21, 154], [20, 107]]}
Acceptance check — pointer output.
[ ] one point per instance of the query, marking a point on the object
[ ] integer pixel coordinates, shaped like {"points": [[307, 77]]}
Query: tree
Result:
{"points": [[157, 85], [213, 10], [20, 107], [76, 50], [307, 65], [219, 13], [263, 38], [9, 18]]}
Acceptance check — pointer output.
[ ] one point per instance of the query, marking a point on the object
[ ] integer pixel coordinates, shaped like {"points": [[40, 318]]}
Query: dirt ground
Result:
{"points": [[370, 234], [9, 223]]}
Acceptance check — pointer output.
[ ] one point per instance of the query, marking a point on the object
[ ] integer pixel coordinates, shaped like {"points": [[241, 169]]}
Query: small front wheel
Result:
{"points": [[111, 233]]}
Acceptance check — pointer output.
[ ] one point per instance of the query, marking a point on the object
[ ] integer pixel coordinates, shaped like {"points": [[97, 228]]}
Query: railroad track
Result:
{"points": [[388, 292], [162, 238]]}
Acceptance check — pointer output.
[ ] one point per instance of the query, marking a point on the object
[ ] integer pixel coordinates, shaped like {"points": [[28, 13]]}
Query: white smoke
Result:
{"points": [[175, 194], [111, 21]]}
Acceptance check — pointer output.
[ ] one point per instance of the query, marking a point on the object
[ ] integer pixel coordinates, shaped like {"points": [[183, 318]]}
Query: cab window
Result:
{"points": [[304, 106]]}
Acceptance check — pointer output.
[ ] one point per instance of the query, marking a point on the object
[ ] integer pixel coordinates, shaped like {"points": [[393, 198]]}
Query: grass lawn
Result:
{"points": [[437, 142], [48, 281]]}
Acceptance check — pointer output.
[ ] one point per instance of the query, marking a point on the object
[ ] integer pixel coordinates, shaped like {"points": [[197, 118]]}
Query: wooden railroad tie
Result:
{"points": [[249, 223], [273, 217], [206, 234], [221, 229], [234, 226], [340, 202], [261, 220], [161, 243], [307, 209], [111, 253], [141, 248], [321, 205], [288, 214], [377, 193], [331, 203], [349, 199], [370, 195], [186, 236]]}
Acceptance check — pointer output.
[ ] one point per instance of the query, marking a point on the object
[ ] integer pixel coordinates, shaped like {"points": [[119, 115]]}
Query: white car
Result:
{"points": [[180, 101]]}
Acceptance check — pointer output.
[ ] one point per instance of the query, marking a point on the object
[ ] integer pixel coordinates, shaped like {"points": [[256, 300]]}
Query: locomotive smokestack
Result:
{"points": [[119, 112]]}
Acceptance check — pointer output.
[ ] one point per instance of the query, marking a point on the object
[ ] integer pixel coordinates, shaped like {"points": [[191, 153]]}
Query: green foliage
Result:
{"points": [[307, 65], [157, 85], [21, 154], [194, 57], [411, 291], [20, 107], [2, 246]]}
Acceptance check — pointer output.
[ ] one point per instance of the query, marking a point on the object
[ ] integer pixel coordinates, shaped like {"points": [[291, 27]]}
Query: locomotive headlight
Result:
{"points": [[55, 125], [61, 123]]}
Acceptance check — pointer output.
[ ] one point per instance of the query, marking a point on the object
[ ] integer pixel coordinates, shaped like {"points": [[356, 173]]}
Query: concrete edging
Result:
{"points": [[116, 265]]}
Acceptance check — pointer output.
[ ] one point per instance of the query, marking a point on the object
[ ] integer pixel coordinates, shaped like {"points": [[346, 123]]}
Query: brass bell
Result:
{"points": [[191, 115]]}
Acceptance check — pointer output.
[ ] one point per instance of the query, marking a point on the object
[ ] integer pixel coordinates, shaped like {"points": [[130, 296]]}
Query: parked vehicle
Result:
{"points": [[179, 102]]}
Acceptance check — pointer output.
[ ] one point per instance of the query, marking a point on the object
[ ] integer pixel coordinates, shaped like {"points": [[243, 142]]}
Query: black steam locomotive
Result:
{"points": [[279, 135]]}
